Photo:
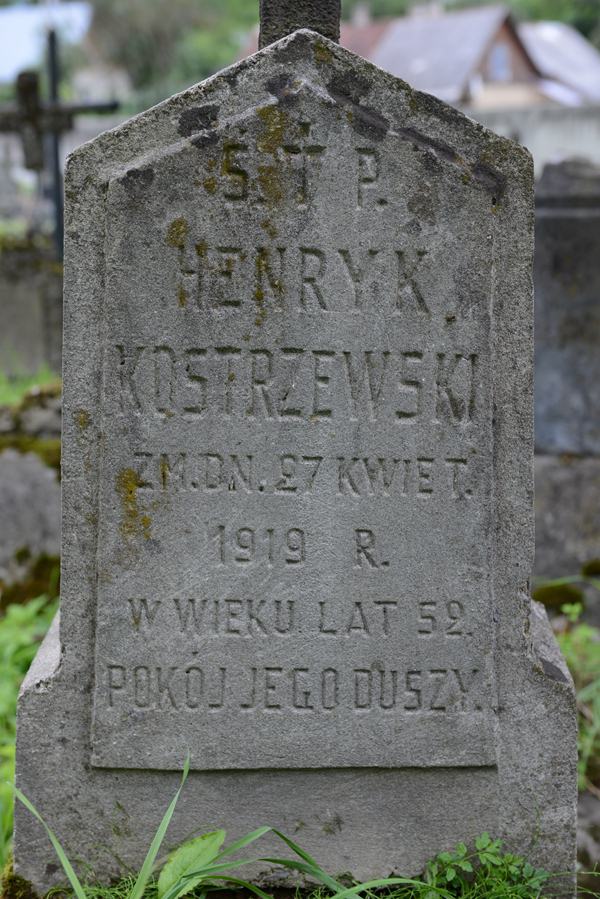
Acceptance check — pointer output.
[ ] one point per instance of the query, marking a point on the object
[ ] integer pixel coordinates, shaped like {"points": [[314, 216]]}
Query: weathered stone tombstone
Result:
{"points": [[30, 307], [567, 362], [297, 477]]}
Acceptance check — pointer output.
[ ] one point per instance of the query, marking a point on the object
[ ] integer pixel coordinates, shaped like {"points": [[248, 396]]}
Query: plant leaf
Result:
{"points": [[304, 868], [146, 869], [188, 858], [205, 873], [67, 866], [302, 853], [244, 841], [318, 871]]}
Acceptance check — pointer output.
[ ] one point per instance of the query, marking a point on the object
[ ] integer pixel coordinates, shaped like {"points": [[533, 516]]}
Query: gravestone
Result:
{"points": [[30, 307], [297, 484], [567, 368]]}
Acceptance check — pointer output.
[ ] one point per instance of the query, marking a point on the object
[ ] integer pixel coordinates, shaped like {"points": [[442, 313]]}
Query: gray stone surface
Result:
{"points": [[297, 484], [567, 317]]}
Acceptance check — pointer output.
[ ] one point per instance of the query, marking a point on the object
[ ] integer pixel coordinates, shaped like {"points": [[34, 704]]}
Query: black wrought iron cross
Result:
{"points": [[32, 119]]}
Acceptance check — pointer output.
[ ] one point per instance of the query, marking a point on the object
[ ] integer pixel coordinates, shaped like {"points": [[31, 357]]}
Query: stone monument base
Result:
{"points": [[364, 821]]}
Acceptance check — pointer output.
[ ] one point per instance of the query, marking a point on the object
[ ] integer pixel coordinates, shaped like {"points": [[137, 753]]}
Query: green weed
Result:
{"points": [[198, 868], [21, 630], [580, 645], [14, 388]]}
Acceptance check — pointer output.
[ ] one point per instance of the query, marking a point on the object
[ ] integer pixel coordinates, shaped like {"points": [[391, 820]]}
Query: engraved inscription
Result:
{"points": [[279, 689], [290, 382], [295, 474], [296, 531]]}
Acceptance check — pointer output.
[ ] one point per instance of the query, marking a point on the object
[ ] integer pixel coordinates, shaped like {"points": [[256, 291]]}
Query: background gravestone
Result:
{"points": [[297, 484], [30, 307], [567, 364]]}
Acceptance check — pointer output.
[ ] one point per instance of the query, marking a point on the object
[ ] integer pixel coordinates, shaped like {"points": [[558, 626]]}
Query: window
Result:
{"points": [[499, 67]]}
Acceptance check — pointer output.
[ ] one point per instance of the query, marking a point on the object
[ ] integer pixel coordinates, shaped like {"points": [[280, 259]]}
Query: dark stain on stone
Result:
{"points": [[490, 178], [231, 76], [136, 180], [348, 90], [205, 140], [481, 172], [282, 87], [553, 671], [423, 141], [198, 118]]}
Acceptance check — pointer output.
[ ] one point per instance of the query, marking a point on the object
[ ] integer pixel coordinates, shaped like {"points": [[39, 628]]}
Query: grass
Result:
{"points": [[14, 389], [21, 630], [580, 645], [197, 868]]}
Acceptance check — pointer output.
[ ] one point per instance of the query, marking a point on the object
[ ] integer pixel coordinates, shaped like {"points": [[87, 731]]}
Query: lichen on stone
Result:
{"points": [[273, 120], [135, 522], [177, 233]]}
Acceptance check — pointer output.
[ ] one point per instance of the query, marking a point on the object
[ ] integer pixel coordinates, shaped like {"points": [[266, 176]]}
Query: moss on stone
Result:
{"points": [[554, 596], [270, 184], [273, 120], [47, 448], [12, 886], [177, 233], [182, 297], [591, 568], [322, 53], [134, 521], [83, 419]]}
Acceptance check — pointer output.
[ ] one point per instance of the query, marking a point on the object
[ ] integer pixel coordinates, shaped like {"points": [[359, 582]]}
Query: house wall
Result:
{"points": [[550, 133]]}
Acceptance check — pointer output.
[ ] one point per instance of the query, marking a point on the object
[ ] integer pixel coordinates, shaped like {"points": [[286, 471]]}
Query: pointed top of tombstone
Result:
{"points": [[280, 17]]}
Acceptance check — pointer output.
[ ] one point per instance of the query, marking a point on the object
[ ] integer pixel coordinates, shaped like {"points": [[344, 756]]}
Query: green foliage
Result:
{"points": [[156, 40], [184, 861], [13, 389], [581, 14], [580, 645], [488, 871], [21, 630], [203, 51]]}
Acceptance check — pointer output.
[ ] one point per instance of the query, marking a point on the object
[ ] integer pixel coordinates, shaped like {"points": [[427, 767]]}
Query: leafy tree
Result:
{"points": [[141, 36]]}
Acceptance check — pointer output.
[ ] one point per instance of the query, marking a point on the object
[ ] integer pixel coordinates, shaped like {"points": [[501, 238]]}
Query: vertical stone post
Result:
{"points": [[281, 17]]}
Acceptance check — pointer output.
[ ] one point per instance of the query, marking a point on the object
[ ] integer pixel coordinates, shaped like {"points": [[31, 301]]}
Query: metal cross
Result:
{"points": [[32, 120], [281, 17]]}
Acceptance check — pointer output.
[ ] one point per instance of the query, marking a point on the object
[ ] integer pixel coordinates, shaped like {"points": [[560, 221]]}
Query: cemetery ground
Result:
{"points": [[486, 869]]}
